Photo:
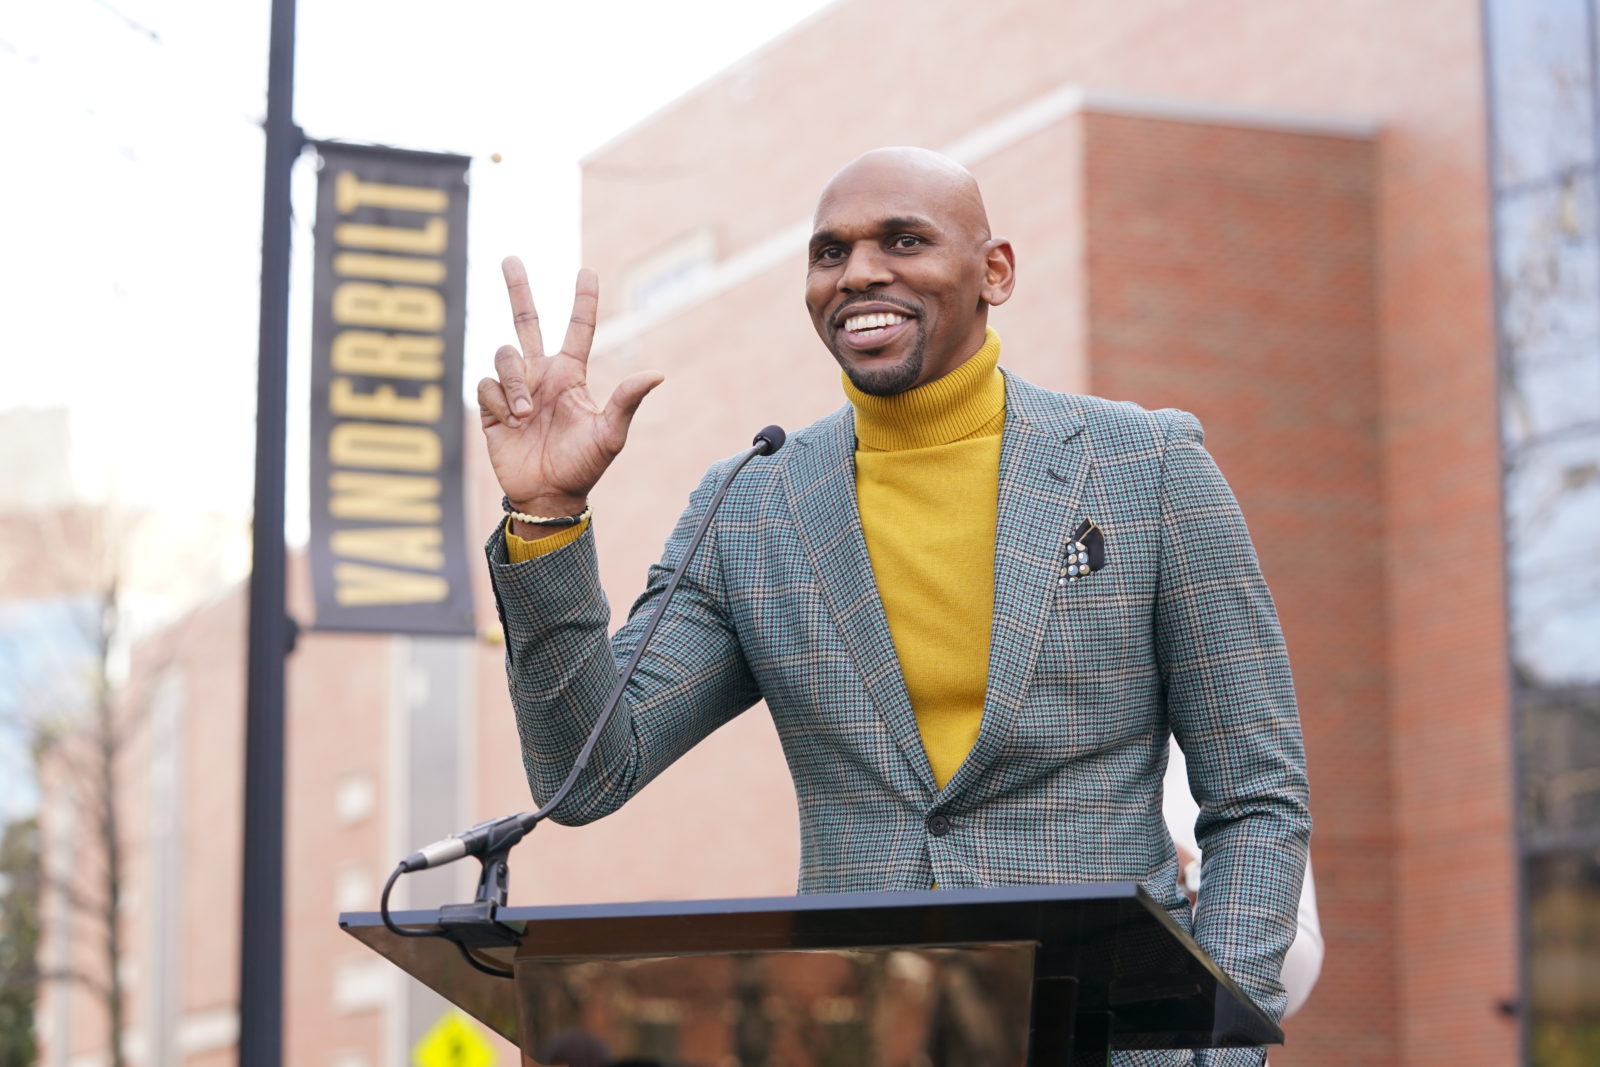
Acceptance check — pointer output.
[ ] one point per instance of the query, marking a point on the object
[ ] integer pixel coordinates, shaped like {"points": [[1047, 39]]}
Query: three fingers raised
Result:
{"points": [[507, 397]]}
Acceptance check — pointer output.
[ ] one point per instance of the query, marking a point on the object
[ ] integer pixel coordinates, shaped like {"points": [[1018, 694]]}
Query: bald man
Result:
{"points": [[976, 609]]}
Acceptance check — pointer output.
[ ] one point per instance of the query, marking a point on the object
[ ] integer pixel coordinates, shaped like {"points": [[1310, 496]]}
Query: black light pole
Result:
{"points": [[261, 940]]}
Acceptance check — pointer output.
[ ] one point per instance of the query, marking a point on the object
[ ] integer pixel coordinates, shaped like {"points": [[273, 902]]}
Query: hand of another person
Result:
{"points": [[1188, 872], [549, 442]]}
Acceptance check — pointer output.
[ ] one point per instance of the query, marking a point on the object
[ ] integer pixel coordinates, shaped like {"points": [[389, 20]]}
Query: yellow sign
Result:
{"points": [[453, 1042]]}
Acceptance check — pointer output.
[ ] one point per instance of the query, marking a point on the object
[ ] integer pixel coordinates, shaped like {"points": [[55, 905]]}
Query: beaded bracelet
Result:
{"points": [[550, 520]]}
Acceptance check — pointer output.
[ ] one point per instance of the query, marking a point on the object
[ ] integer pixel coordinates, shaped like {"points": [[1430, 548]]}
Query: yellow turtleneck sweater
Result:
{"points": [[928, 484]]}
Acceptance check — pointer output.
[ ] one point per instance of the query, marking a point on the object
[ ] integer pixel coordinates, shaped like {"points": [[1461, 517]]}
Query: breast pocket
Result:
{"points": [[1095, 682]]}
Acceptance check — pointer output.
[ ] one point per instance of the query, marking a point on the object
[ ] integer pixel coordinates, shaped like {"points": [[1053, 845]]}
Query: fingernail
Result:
{"points": [[521, 405]]}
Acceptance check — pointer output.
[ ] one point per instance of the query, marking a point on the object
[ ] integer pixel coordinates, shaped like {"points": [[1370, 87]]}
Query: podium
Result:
{"points": [[1038, 975]]}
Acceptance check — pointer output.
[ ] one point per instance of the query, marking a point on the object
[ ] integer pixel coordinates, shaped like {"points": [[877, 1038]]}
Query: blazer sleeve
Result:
{"points": [[1231, 702], [561, 667]]}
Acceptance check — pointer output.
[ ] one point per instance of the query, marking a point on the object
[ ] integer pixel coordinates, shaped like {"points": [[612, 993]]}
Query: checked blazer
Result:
{"points": [[1174, 633]]}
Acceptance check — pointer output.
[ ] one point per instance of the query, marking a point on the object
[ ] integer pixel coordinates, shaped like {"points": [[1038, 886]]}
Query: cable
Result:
{"points": [[400, 931], [762, 447], [383, 910], [491, 841], [468, 955]]}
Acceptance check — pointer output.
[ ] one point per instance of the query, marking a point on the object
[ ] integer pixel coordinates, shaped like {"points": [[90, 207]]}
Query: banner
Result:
{"points": [[388, 533]]}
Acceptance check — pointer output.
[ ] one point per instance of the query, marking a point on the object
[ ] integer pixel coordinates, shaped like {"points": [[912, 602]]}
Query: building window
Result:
{"points": [[354, 798], [353, 890], [669, 275]]}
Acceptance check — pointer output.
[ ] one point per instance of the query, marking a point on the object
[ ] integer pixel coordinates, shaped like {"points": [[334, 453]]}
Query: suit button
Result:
{"points": [[938, 825]]}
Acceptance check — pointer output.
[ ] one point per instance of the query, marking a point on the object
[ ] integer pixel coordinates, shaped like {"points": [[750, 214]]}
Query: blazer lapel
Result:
{"points": [[821, 487], [1043, 466]]}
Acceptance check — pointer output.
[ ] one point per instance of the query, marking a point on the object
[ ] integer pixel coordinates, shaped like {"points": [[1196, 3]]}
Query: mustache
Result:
{"points": [[844, 311]]}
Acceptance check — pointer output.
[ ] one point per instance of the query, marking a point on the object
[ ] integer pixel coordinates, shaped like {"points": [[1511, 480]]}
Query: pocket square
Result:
{"points": [[1086, 553]]}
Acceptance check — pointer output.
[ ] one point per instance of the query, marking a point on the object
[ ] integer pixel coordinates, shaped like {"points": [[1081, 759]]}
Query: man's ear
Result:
{"points": [[999, 271]]}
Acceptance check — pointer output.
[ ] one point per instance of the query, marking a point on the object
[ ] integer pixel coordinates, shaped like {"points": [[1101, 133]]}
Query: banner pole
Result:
{"points": [[261, 915]]}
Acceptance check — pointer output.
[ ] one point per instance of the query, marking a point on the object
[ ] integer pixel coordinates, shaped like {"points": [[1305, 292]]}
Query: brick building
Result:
{"points": [[1315, 226]]}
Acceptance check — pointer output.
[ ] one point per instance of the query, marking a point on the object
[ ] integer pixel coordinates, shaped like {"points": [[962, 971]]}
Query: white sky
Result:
{"points": [[129, 258], [133, 182]]}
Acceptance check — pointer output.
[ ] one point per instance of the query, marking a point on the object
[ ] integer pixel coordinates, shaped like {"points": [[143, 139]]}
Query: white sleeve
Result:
{"points": [[1177, 804], [1303, 963]]}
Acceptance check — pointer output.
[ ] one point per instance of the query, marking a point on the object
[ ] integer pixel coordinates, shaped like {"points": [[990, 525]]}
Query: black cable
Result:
{"points": [[467, 954], [767, 442], [761, 447], [400, 931], [383, 909]]}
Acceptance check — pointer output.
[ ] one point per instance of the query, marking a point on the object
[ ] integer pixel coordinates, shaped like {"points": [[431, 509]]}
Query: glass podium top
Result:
{"points": [[838, 978]]}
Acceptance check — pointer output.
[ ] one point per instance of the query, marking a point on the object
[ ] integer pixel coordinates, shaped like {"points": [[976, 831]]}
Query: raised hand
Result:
{"points": [[549, 442]]}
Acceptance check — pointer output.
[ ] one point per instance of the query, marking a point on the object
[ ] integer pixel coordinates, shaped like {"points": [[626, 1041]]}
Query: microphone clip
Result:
{"points": [[474, 925]]}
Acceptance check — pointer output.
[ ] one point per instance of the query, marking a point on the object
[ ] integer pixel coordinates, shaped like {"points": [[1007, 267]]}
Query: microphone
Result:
{"points": [[498, 835], [773, 437], [489, 836]]}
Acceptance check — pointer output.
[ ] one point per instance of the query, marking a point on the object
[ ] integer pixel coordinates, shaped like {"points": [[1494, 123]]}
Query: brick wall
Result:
{"points": [[1231, 273], [1330, 320]]}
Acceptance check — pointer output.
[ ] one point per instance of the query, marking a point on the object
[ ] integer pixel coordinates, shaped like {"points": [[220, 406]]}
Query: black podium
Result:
{"points": [[1024, 975]]}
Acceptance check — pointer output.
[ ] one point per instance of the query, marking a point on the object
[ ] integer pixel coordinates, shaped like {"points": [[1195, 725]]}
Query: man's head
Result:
{"points": [[902, 269]]}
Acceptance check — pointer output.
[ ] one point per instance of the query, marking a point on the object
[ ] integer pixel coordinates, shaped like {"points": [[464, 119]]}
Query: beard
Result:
{"points": [[891, 380]]}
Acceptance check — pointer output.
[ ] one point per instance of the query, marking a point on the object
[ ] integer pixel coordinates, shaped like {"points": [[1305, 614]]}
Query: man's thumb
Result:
{"points": [[628, 395]]}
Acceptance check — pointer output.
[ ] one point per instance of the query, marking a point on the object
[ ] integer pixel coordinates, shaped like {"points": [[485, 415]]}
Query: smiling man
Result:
{"points": [[903, 269], [976, 609]]}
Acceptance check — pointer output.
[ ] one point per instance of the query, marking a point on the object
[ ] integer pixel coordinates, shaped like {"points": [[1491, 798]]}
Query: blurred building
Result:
{"points": [[1357, 239], [35, 473]]}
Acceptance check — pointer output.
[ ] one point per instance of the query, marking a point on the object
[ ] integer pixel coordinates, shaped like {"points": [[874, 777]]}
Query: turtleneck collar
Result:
{"points": [[947, 409]]}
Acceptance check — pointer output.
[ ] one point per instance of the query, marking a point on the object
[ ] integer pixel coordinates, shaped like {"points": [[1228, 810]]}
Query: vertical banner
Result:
{"points": [[388, 533]]}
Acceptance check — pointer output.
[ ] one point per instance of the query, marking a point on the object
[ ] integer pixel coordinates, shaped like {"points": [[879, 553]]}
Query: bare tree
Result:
{"points": [[19, 940], [66, 690]]}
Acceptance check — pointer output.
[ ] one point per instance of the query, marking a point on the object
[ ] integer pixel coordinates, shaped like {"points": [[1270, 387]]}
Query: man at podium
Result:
{"points": [[976, 609]]}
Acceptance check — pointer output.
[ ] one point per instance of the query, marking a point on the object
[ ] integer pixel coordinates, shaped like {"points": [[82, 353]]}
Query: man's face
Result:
{"points": [[899, 279]]}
